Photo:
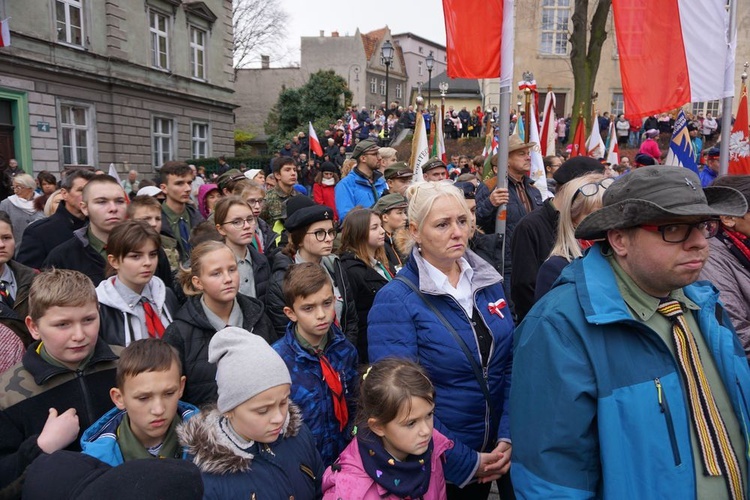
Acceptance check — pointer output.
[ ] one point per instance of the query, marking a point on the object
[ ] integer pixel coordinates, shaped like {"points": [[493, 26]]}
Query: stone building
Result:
{"points": [[129, 82], [542, 47], [416, 49]]}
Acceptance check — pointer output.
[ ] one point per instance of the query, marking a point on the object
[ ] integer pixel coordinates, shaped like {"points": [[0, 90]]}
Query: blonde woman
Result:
{"points": [[575, 200]]}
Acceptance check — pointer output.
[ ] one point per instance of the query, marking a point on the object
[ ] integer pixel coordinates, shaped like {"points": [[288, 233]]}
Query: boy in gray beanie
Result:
{"points": [[254, 443]]}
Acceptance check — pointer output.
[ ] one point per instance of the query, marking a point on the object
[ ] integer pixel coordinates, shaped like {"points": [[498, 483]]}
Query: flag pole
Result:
{"points": [[727, 102], [506, 78]]}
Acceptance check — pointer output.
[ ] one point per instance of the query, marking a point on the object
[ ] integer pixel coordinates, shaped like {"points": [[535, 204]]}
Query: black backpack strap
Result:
{"points": [[479, 374]]}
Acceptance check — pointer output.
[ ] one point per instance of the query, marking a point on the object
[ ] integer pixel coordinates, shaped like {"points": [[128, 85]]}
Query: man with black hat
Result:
{"points": [[398, 177], [364, 184], [534, 237], [711, 169], [434, 170], [628, 377]]}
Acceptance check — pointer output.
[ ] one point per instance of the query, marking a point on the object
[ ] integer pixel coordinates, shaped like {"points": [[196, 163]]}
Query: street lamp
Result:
{"points": [[429, 62], [386, 55], [443, 86]]}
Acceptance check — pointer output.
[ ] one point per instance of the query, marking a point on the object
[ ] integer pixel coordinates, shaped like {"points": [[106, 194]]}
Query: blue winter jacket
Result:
{"points": [[355, 190], [401, 325], [597, 406], [100, 440], [311, 391]]}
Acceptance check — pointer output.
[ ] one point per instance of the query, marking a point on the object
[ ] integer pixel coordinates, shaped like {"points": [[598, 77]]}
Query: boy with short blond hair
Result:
{"points": [[148, 209], [321, 361], [62, 384], [149, 384]]}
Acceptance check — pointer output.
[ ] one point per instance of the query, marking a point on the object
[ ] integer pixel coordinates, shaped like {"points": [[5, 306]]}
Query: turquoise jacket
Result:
{"points": [[100, 440], [597, 406]]}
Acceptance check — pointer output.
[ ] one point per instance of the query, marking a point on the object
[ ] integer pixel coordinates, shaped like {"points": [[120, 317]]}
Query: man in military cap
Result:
{"points": [[398, 177]]}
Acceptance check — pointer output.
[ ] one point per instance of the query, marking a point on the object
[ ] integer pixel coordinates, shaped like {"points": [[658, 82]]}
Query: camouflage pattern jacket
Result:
{"points": [[275, 206]]}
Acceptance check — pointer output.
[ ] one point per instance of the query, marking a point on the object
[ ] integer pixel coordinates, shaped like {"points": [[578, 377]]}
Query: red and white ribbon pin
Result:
{"points": [[495, 307]]}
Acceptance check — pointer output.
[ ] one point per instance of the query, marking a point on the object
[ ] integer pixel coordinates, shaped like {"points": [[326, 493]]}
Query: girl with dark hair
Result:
{"points": [[134, 303], [397, 453], [364, 259], [211, 283], [324, 186]]}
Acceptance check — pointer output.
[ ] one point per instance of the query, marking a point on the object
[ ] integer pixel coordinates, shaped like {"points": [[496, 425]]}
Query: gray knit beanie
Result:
{"points": [[245, 366]]}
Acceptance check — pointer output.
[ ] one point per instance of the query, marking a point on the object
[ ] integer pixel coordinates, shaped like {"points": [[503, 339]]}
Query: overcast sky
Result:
{"points": [[306, 18]]}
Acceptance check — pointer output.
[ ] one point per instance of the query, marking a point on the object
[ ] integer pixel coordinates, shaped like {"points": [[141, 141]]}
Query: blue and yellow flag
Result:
{"points": [[680, 147]]}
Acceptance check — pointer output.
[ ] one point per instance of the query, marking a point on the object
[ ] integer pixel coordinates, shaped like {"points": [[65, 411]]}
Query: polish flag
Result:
{"points": [[739, 145], [549, 125], [5, 33], [613, 151], [314, 142], [673, 52]]}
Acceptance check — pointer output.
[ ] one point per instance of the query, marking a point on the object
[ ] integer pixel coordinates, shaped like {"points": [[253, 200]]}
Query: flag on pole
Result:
{"points": [[739, 147], [681, 152], [5, 33], [595, 147], [490, 150], [537, 173], [438, 141], [613, 149], [579, 140], [548, 132], [113, 172], [698, 68], [519, 128], [472, 52], [420, 150], [314, 142]]}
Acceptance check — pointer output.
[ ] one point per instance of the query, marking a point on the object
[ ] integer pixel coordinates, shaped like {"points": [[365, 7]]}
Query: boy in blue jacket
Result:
{"points": [[321, 361], [149, 384]]}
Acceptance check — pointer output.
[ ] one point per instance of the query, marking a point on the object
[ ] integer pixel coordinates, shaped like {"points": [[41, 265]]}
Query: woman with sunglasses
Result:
{"points": [[728, 264], [236, 222], [310, 237], [574, 200]]}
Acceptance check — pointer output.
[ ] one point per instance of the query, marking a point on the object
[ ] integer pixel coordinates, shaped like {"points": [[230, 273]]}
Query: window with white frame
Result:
{"points": [[618, 103], [382, 87], [198, 52], [162, 134], [159, 30], [420, 69], [373, 85], [200, 140], [555, 20], [69, 21], [399, 91], [76, 128], [706, 107]]}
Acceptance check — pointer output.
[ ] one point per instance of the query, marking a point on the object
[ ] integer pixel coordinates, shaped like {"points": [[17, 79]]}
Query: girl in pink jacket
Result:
{"points": [[396, 453]]}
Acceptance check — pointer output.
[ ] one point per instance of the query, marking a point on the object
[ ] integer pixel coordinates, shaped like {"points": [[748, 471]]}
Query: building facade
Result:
{"points": [[130, 82], [542, 30], [416, 50]]}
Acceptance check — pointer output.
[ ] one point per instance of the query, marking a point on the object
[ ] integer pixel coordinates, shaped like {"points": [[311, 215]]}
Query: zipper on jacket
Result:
{"points": [[86, 397], [664, 406]]}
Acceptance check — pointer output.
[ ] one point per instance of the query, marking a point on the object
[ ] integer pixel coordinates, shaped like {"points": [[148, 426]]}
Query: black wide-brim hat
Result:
{"points": [[658, 193]]}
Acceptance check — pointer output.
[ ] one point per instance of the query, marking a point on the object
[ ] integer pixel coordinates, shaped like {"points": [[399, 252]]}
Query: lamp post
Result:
{"points": [[430, 63], [386, 56]]}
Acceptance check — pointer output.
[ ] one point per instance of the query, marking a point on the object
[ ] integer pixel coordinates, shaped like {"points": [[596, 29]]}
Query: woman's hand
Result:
{"points": [[494, 465]]}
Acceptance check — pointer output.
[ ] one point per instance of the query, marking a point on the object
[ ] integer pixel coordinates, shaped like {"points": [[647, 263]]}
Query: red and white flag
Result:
{"points": [[537, 173], [5, 33], [314, 142], [613, 151], [479, 35], [548, 130], [682, 42], [739, 145], [578, 146]]}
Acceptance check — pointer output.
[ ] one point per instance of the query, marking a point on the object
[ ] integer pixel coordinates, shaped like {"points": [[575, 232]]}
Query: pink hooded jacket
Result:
{"points": [[353, 482]]}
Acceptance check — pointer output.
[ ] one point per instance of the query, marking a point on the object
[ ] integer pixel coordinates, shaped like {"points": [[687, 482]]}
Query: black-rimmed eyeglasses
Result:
{"points": [[321, 234], [678, 233]]}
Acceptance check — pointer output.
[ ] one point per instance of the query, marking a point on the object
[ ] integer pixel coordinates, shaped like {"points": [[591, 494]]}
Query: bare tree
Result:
{"points": [[586, 42], [258, 26]]}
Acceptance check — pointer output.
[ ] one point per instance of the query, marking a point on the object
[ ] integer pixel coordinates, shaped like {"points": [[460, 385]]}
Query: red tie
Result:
{"points": [[153, 323]]}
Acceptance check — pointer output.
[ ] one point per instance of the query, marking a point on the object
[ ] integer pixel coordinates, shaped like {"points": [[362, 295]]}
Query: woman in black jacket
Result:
{"points": [[311, 234], [363, 256], [212, 285]]}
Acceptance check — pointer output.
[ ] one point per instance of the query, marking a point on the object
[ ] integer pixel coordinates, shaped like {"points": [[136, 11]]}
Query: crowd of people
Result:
{"points": [[332, 329]]}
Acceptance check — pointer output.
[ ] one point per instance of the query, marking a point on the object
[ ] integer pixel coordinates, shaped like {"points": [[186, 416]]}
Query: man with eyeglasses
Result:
{"points": [[628, 377]]}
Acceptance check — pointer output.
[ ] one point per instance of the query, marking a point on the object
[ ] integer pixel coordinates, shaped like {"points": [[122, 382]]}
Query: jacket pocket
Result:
{"points": [[664, 407]]}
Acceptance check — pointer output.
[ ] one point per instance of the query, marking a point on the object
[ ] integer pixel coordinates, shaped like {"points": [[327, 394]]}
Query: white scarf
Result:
{"points": [[25, 205]]}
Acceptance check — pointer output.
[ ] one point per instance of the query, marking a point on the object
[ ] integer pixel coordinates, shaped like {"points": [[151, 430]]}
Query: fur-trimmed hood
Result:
{"points": [[213, 451]]}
